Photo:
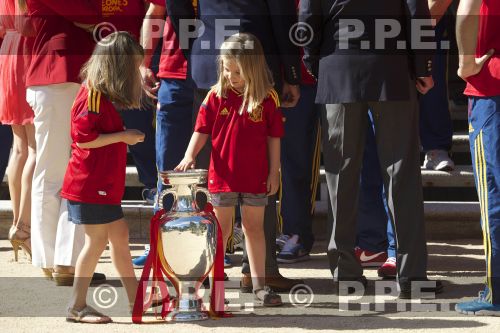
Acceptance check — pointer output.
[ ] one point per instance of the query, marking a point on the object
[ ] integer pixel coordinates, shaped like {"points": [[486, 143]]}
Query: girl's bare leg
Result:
{"points": [[96, 239], [15, 168], [118, 236], [253, 226]]}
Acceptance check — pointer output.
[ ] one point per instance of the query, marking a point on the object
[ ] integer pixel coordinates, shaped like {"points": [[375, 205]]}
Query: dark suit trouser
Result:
{"points": [[270, 217], [396, 127]]}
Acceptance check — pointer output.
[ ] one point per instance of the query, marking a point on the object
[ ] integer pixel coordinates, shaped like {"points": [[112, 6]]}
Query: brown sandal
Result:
{"points": [[268, 297], [87, 315]]}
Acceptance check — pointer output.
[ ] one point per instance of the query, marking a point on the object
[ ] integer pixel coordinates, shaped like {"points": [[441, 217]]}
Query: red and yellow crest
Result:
{"points": [[256, 114]]}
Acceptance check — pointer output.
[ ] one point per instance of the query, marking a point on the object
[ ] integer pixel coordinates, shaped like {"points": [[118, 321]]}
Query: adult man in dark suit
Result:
{"points": [[360, 68]]}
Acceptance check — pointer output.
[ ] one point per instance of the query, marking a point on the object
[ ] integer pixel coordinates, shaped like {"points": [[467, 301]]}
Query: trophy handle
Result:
{"points": [[164, 193], [204, 191]]}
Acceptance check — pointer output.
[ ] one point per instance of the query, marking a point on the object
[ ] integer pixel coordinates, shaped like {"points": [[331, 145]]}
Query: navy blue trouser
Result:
{"points": [[143, 153], [436, 128], [484, 138], [300, 151], [375, 232], [5, 147], [174, 124]]}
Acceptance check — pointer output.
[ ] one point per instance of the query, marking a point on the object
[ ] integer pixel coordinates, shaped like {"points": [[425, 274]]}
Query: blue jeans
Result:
{"points": [[5, 147], [436, 129], [375, 231], [143, 152], [174, 123], [299, 167], [484, 138]]}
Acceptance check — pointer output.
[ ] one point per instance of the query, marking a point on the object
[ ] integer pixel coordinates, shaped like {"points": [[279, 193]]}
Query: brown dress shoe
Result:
{"points": [[246, 286], [280, 283], [277, 283]]}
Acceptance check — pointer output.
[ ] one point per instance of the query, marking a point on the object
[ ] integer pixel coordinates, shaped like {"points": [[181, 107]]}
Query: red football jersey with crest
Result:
{"points": [[239, 160], [96, 175]]}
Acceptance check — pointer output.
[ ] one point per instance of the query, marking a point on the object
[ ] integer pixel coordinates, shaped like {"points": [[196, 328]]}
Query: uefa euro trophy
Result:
{"points": [[187, 241]]}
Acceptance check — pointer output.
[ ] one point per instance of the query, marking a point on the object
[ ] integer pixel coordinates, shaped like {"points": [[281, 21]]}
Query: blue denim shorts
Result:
{"points": [[84, 213]]}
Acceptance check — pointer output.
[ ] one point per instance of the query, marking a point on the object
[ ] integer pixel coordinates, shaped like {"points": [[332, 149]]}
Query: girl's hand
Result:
{"points": [[188, 162], [133, 136], [273, 183]]}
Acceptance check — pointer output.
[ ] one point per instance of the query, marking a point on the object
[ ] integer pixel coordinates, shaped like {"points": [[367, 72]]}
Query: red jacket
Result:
{"points": [[60, 48]]}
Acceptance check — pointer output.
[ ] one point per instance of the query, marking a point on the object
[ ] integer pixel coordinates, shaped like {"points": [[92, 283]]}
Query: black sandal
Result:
{"points": [[268, 297]]}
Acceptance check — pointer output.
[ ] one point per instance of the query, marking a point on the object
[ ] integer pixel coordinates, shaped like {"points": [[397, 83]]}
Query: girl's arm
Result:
{"points": [[130, 137], [273, 179], [197, 142]]}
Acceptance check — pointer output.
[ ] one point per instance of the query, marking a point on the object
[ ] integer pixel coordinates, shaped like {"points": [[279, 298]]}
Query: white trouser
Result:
{"points": [[54, 240]]}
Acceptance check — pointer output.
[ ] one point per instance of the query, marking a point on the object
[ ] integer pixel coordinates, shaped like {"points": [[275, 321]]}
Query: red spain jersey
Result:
{"points": [[95, 175], [239, 161], [487, 81]]}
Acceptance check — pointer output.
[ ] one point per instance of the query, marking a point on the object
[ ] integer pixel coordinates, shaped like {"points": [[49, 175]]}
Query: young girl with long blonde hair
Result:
{"points": [[241, 115]]}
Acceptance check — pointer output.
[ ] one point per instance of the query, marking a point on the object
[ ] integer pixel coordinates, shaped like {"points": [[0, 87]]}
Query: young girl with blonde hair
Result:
{"points": [[241, 114], [95, 178]]}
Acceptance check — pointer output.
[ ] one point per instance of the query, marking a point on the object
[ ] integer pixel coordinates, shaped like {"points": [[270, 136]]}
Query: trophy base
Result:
{"points": [[183, 316]]}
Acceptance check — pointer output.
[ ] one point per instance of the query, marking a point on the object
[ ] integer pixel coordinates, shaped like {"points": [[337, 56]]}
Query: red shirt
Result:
{"points": [[125, 15], [60, 48], [95, 175], [487, 82], [239, 161], [173, 64]]}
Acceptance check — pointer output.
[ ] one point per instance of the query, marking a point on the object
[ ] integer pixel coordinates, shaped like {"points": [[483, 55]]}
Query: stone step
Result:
{"points": [[462, 176], [444, 220], [460, 145]]}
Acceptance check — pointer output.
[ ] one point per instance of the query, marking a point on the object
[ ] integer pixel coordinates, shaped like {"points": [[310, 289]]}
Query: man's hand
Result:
{"points": [[424, 84], [150, 82], [470, 65], [290, 95]]}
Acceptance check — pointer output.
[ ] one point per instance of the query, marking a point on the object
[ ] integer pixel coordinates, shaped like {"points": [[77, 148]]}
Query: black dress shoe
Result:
{"points": [[415, 288], [98, 278], [350, 289]]}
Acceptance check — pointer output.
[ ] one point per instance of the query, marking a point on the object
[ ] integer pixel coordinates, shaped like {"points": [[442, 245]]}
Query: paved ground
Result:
{"points": [[31, 304]]}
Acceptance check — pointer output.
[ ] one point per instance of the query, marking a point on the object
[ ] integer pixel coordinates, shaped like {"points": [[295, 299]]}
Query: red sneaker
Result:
{"points": [[370, 259], [388, 270]]}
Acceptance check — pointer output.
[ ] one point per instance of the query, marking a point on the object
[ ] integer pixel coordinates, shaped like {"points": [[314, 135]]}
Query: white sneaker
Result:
{"points": [[438, 160]]}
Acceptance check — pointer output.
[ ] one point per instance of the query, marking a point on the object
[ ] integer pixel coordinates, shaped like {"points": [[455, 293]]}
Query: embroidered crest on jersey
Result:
{"points": [[256, 114], [94, 101], [224, 112]]}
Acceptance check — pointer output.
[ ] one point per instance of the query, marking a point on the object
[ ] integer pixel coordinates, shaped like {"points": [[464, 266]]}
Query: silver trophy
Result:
{"points": [[188, 238]]}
